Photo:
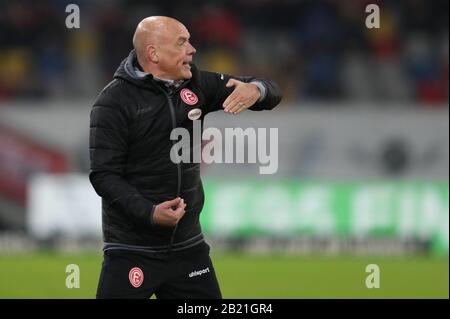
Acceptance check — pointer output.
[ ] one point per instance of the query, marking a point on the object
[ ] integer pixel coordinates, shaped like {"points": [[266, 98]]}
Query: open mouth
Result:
{"points": [[187, 65]]}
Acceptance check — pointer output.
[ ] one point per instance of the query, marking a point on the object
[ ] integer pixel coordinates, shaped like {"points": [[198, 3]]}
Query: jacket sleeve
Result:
{"points": [[216, 91], [108, 152]]}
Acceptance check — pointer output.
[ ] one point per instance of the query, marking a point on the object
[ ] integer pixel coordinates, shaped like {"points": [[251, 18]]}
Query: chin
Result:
{"points": [[187, 75]]}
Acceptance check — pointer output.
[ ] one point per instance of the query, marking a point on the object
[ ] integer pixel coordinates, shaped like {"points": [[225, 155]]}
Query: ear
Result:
{"points": [[152, 54]]}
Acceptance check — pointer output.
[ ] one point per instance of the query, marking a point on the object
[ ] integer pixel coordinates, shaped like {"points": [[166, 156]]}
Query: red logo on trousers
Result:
{"points": [[136, 277]]}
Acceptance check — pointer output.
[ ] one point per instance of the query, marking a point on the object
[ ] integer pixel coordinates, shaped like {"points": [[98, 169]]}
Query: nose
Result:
{"points": [[191, 50]]}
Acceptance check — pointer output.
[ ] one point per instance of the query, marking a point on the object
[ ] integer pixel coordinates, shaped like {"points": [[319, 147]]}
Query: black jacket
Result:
{"points": [[131, 169]]}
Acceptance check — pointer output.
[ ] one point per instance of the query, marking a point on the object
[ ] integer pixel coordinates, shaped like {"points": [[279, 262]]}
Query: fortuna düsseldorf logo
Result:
{"points": [[188, 97], [136, 277]]}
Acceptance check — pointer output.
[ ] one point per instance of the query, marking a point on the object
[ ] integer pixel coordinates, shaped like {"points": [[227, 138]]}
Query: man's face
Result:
{"points": [[175, 53]]}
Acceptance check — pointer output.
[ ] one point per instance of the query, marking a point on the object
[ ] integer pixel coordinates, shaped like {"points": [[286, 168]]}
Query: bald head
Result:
{"points": [[162, 47], [154, 31]]}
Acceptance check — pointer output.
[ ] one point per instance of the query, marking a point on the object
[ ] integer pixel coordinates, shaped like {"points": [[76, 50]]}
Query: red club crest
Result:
{"points": [[188, 97], [136, 277]]}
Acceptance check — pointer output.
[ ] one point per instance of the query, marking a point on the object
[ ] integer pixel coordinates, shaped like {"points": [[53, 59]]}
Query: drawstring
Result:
{"points": [[172, 239]]}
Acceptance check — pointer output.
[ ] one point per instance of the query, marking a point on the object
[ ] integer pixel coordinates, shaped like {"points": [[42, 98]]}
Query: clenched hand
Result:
{"points": [[168, 213], [243, 96]]}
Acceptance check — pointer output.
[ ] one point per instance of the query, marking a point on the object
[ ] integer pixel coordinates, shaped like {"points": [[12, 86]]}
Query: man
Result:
{"points": [[151, 205]]}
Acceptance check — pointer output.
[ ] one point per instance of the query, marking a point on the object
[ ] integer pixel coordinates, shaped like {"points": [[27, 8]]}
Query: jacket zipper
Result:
{"points": [[174, 125]]}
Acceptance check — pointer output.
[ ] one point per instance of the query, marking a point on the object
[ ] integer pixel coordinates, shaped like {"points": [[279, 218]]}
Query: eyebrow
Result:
{"points": [[183, 38]]}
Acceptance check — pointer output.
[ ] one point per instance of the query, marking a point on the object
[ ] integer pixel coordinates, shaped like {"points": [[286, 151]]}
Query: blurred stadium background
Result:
{"points": [[363, 153]]}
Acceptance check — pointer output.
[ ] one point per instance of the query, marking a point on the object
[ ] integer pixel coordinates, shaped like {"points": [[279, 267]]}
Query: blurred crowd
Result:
{"points": [[316, 50]]}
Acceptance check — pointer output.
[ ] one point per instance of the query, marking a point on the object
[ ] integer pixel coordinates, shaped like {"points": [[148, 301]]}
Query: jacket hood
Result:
{"points": [[127, 71]]}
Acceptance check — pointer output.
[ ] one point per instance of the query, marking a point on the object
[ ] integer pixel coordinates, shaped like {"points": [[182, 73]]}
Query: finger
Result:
{"points": [[239, 111], [181, 204], [173, 202], [232, 82], [239, 105], [230, 99], [245, 105], [237, 97], [179, 212]]}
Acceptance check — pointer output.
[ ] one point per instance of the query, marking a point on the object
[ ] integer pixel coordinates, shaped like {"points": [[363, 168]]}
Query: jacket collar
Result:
{"points": [[129, 71]]}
